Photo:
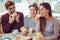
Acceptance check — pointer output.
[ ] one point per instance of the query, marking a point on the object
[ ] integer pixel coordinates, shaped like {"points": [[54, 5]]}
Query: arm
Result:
{"points": [[5, 25], [37, 28], [56, 31], [20, 23], [25, 21]]}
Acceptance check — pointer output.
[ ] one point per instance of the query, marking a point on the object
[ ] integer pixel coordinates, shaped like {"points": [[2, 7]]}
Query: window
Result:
{"points": [[1, 0], [55, 4], [16, 1], [21, 6]]}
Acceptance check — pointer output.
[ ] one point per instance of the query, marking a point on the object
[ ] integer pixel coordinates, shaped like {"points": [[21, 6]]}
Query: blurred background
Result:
{"points": [[22, 6]]}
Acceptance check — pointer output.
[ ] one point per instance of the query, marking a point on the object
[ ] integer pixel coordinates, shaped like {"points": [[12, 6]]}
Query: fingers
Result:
{"points": [[17, 18], [11, 19]]}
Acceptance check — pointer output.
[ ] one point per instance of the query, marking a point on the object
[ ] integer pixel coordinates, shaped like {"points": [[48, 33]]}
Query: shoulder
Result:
{"points": [[26, 17], [5, 15], [55, 21], [20, 13]]}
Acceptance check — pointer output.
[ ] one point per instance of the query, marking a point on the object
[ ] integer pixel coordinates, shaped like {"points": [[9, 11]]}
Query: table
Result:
{"points": [[11, 36], [14, 37]]}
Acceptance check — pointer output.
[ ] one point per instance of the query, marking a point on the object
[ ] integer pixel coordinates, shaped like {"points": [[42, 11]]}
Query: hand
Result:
{"points": [[41, 38], [37, 19], [17, 18], [44, 38], [11, 19], [33, 30], [24, 30], [29, 38], [14, 15]]}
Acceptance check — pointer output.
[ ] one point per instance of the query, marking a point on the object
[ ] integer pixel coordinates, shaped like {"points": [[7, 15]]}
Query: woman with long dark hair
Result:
{"points": [[49, 26]]}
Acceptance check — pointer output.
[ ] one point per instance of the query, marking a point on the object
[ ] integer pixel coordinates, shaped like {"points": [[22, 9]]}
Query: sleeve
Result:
{"points": [[56, 31], [37, 28], [5, 25], [25, 21], [20, 23]]}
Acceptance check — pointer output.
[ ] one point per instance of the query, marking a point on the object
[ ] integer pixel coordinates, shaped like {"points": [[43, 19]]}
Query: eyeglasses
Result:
{"points": [[11, 8]]}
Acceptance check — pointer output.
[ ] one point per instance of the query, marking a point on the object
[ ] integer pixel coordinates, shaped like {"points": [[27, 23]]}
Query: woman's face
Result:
{"points": [[33, 11], [43, 11]]}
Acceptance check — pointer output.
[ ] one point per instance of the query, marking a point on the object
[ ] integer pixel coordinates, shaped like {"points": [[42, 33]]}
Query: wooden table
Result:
{"points": [[11, 36]]}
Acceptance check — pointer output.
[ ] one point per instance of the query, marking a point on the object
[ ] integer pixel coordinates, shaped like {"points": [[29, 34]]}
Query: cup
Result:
{"points": [[18, 37], [38, 35], [30, 30], [34, 38], [6, 38], [15, 32], [29, 38]]}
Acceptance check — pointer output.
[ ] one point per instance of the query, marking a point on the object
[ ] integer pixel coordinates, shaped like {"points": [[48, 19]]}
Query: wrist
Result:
{"points": [[44, 38], [17, 21], [10, 22]]}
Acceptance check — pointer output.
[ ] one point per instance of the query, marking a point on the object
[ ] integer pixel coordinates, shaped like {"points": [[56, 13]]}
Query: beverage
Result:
{"points": [[38, 35], [18, 37], [29, 38], [15, 32]]}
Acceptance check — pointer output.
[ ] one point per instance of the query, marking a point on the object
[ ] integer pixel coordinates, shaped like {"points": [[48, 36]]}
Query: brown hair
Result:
{"points": [[34, 5], [43, 19], [47, 6], [9, 3], [42, 24]]}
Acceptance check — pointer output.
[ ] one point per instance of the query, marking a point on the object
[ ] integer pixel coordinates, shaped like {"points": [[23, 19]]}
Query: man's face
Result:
{"points": [[11, 9]]}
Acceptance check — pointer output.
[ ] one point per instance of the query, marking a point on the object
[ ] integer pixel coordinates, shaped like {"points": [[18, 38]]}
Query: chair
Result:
{"points": [[1, 29]]}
